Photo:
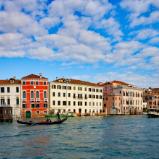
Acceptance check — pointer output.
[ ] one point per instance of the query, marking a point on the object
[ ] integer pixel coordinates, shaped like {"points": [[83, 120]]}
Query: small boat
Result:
{"points": [[153, 113], [49, 122]]}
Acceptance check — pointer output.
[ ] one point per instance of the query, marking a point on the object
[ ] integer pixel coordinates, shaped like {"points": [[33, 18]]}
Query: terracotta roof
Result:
{"points": [[75, 81], [10, 81], [117, 82], [33, 76]]}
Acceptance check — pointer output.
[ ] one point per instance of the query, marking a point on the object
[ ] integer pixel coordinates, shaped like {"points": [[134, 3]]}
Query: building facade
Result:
{"points": [[151, 97], [10, 95], [122, 98], [35, 96], [76, 96]]}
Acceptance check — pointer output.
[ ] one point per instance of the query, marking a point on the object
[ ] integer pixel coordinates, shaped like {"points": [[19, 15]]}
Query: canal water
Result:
{"points": [[116, 137]]}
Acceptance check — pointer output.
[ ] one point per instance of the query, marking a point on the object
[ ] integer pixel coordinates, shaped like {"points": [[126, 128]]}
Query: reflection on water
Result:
{"points": [[120, 137]]}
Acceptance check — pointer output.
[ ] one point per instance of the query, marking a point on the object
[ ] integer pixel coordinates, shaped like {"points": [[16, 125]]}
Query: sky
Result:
{"points": [[92, 40]]}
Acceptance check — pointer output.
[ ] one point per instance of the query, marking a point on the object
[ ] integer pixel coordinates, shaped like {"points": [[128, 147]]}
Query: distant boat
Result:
{"points": [[49, 122], [153, 113]]}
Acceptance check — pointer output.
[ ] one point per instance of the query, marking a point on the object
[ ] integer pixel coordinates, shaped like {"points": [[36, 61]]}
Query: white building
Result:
{"points": [[10, 95], [78, 97]]}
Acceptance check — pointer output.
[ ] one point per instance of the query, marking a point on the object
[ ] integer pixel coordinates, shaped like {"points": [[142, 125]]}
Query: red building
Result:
{"points": [[35, 94]]}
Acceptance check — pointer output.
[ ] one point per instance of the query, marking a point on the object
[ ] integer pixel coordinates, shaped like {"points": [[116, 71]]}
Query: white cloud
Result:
{"points": [[137, 8], [146, 34]]}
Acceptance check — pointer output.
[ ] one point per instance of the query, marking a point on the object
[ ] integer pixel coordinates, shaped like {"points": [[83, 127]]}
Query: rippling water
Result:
{"points": [[120, 137]]}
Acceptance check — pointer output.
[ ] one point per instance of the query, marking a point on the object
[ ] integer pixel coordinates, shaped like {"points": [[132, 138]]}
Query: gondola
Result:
{"points": [[31, 123]]}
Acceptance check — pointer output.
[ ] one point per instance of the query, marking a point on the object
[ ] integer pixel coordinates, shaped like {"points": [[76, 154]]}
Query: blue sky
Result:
{"points": [[94, 40]]}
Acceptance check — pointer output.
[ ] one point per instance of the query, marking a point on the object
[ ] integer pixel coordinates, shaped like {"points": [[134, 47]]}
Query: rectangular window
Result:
{"points": [[17, 101], [53, 86], [45, 94], [69, 94], [2, 90], [24, 83], [59, 94], [58, 87], [37, 83], [79, 103], [64, 94], [63, 87], [64, 103], [24, 94], [17, 89], [32, 82], [74, 103], [45, 105], [59, 102], [53, 94], [24, 105], [37, 105], [32, 105], [44, 83], [85, 103], [53, 102], [8, 89], [8, 101], [69, 102]]}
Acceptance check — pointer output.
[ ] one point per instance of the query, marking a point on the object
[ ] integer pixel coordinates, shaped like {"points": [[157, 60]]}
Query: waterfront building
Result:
{"points": [[76, 96], [10, 96], [151, 97], [35, 96], [6, 113], [122, 98]]}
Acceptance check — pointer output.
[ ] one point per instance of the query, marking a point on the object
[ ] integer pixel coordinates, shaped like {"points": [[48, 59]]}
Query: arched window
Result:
{"points": [[37, 94]]}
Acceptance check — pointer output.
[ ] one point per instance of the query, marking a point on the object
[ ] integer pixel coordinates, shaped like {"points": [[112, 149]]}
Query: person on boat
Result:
{"points": [[58, 116]]}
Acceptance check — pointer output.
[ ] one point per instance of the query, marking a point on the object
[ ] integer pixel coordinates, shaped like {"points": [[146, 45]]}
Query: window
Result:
{"points": [[85, 103], [2, 90], [32, 94], [32, 82], [45, 83], [74, 88], [74, 95], [64, 94], [53, 102], [45, 94], [8, 89], [8, 101], [24, 83], [69, 87], [59, 94], [69, 94], [37, 83], [37, 105], [80, 88], [17, 101], [64, 103], [37, 94], [17, 89], [32, 105], [63, 87], [85, 89], [89, 89], [69, 102], [59, 103], [53, 86], [79, 103], [58, 87], [74, 103], [24, 105], [24, 94], [53, 94], [45, 105]]}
